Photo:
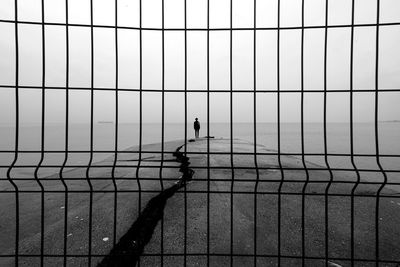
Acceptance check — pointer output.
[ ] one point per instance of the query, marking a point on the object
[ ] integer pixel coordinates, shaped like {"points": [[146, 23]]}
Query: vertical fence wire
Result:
{"points": [[91, 134], [208, 133], [162, 123], [42, 137], [353, 190], [303, 161], [255, 131], [231, 127], [139, 207], [378, 162], [66, 144], [185, 204], [16, 139], [116, 125], [278, 120], [325, 136]]}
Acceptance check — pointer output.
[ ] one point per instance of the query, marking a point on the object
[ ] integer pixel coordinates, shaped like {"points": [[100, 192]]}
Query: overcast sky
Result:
{"points": [[338, 60]]}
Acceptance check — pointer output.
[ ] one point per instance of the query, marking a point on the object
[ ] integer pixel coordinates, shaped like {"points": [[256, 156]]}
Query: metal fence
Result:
{"points": [[291, 243]]}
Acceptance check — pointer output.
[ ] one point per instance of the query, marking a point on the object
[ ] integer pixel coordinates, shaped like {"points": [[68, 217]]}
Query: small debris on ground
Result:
{"points": [[62, 207], [69, 234], [105, 239]]}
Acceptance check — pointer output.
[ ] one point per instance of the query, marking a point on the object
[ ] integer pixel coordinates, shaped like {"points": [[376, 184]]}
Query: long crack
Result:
{"points": [[131, 245]]}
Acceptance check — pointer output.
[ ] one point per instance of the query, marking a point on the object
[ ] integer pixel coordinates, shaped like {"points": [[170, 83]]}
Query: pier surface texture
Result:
{"points": [[221, 211]]}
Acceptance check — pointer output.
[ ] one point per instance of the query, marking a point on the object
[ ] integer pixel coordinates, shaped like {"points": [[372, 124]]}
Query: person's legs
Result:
{"points": [[196, 132]]}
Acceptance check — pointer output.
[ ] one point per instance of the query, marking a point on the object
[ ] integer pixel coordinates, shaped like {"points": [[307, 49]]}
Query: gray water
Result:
{"points": [[338, 141]]}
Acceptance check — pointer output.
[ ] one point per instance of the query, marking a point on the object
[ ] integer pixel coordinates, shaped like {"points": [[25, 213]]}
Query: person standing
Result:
{"points": [[196, 126]]}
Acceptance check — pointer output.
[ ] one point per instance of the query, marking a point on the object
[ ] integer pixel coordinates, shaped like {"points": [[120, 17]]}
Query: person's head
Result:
{"points": [[196, 119]]}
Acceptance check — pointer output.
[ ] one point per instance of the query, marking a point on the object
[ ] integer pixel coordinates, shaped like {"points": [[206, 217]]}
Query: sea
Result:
{"points": [[338, 141]]}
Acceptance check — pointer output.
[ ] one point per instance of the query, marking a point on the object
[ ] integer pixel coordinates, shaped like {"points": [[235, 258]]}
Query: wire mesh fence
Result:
{"points": [[208, 201]]}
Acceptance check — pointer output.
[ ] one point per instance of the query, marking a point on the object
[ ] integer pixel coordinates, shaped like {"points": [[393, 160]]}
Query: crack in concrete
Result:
{"points": [[131, 245]]}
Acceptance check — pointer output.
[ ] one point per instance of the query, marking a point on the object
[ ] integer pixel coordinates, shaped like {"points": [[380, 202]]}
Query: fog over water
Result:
{"points": [[338, 142], [31, 60]]}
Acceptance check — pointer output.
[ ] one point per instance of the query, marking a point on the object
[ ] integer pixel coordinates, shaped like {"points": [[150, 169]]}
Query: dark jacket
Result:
{"points": [[196, 125]]}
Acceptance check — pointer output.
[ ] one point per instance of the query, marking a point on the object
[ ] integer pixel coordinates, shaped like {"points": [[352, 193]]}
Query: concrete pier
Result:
{"points": [[219, 211]]}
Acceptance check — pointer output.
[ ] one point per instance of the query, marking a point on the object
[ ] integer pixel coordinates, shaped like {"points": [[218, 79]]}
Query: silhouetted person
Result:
{"points": [[196, 126]]}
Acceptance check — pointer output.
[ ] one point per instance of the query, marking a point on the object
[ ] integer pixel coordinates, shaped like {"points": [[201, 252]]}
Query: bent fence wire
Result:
{"points": [[289, 240]]}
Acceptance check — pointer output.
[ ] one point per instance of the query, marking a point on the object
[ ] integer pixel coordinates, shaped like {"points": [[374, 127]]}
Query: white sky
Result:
{"points": [[338, 56]]}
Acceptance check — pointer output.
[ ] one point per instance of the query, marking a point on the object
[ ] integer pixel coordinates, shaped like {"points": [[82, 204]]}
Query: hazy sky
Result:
{"points": [[338, 60]]}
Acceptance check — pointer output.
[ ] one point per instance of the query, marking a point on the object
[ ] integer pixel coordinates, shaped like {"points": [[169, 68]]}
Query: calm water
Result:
{"points": [[338, 139]]}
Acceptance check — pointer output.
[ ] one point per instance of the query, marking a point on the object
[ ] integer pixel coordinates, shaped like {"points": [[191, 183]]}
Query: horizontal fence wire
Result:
{"points": [[301, 176], [204, 29], [234, 91]]}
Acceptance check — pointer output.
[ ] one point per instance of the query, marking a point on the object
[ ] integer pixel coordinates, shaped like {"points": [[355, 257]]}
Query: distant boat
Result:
{"points": [[105, 122]]}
